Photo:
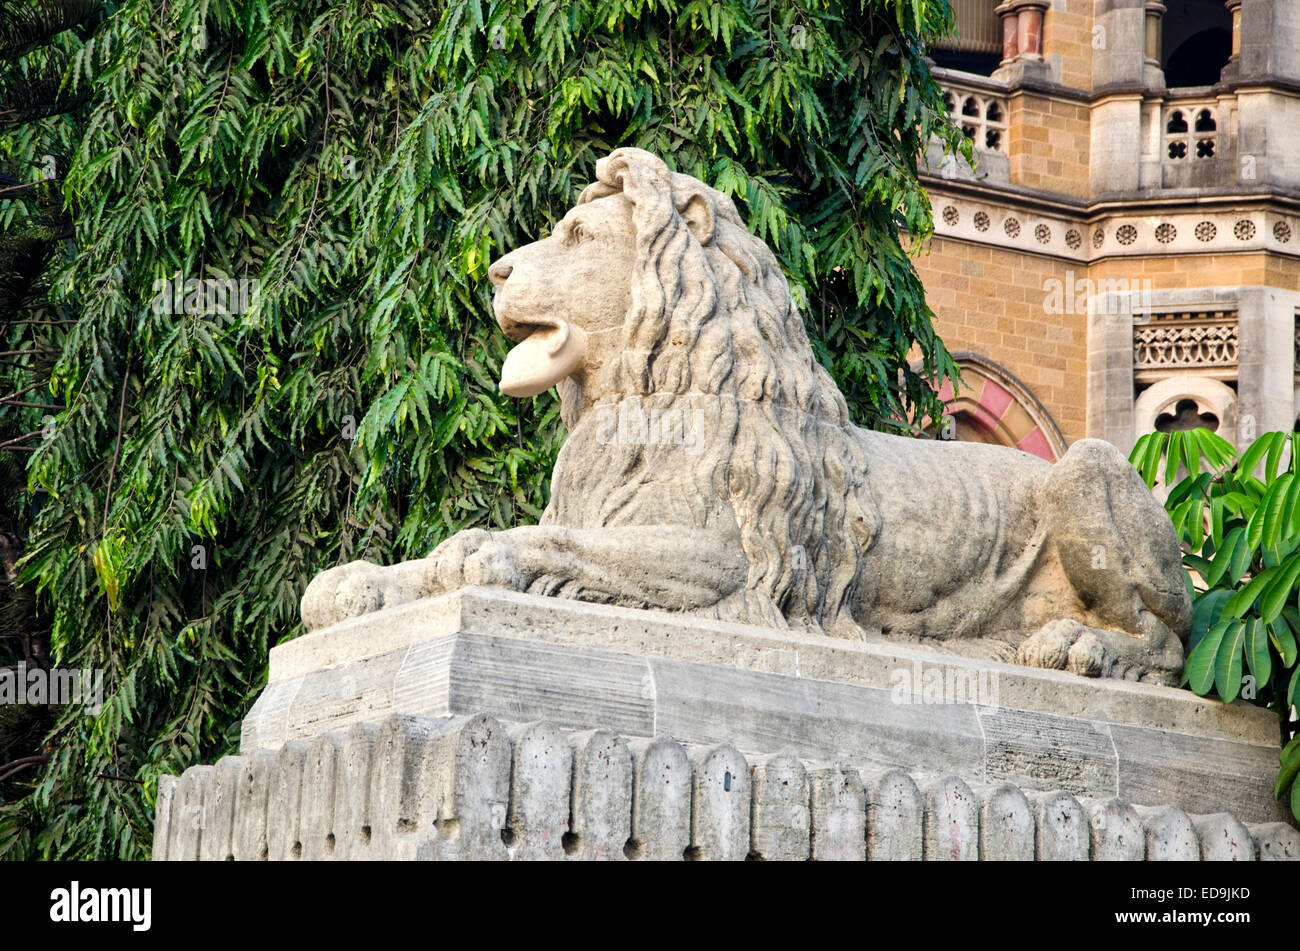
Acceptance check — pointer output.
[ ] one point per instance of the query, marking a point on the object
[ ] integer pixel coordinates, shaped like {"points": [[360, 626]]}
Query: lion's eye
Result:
{"points": [[575, 233]]}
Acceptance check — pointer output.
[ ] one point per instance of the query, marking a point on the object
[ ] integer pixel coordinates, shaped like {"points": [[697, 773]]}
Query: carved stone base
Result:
{"points": [[873, 706]]}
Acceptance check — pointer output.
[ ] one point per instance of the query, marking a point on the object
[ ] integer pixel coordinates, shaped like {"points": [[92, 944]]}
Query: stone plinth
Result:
{"points": [[874, 705]]}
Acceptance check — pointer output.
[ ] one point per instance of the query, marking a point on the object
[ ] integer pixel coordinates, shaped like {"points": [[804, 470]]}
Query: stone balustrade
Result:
{"points": [[475, 788]]}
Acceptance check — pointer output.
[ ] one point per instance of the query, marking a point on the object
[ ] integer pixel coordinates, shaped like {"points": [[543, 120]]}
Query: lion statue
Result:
{"points": [[711, 467]]}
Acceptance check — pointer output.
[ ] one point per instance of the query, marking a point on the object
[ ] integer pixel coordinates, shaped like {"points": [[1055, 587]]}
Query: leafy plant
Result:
{"points": [[363, 161], [1238, 518]]}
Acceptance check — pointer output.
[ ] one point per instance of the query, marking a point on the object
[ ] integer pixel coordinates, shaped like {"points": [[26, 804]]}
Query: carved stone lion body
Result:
{"points": [[711, 467]]}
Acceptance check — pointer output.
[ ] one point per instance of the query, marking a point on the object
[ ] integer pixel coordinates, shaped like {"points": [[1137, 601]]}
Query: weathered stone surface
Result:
{"points": [[469, 775], [219, 809], [585, 666], [1061, 752], [163, 817], [1171, 836], [720, 806], [602, 796], [1278, 842], [522, 680], [186, 826], [839, 815], [1224, 839], [896, 812], [318, 790], [284, 804], [540, 781], [1063, 830], [952, 821], [1007, 826], [399, 802], [1074, 566], [352, 831], [1117, 832], [782, 814], [661, 803], [472, 788], [248, 838]]}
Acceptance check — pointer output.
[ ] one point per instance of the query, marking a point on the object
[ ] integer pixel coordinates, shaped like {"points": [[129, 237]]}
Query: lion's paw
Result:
{"points": [[337, 594], [475, 557], [1050, 645], [1073, 646]]}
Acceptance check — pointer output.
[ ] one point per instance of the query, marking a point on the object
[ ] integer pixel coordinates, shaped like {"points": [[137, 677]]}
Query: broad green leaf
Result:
{"points": [[1173, 455], [1205, 613], [1242, 600], [1253, 455], [1273, 505], [1200, 665], [1227, 662], [1240, 561], [1277, 443], [1278, 590], [1283, 638], [1223, 557], [1289, 760], [1257, 653]]}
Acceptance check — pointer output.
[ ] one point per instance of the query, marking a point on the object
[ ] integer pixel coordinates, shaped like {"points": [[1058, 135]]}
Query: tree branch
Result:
{"points": [[18, 765]]}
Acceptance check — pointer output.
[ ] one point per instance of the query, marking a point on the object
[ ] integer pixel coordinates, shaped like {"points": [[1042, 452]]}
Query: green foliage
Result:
{"points": [[25, 24], [1239, 521], [363, 162]]}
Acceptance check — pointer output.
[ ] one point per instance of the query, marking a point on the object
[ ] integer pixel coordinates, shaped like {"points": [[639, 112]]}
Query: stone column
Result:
{"points": [[1029, 33], [1010, 30], [1110, 373], [1022, 40], [1153, 75], [1266, 320], [1234, 7], [1232, 68]]}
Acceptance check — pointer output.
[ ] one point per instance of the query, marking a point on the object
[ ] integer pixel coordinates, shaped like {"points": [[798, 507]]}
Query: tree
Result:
{"points": [[34, 222], [346, 170]]}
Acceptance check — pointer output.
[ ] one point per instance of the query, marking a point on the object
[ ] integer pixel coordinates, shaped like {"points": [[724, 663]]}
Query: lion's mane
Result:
{"points": [[712, 331]]}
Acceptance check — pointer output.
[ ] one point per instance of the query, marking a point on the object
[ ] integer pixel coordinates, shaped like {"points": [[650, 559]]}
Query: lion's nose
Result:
{"points": [[499, 271]]}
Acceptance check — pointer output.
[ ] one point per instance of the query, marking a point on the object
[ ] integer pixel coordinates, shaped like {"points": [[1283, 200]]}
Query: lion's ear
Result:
{"points": [[697, 212]]}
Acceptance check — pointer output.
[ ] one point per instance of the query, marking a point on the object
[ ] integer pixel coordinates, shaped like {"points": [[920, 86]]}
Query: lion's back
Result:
{"points": [[962, 511]]}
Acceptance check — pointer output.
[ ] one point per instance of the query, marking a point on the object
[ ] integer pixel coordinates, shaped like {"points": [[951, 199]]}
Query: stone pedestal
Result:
{"points": [[521, 658], [490, 725]]}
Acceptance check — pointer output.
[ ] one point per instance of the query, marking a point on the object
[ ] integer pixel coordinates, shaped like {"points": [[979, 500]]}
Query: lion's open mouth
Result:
{"points": [[547, 349], [521, 330]]}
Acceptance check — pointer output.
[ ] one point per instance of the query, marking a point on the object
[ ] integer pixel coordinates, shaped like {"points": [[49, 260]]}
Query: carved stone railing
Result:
{"points": [[1191, 130], [980, 113], [1186, 340], [475, 789]]}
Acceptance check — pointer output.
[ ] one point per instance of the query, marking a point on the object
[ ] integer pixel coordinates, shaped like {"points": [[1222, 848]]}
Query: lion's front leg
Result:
{"points": [[471, 557], [362, 587], [667, 567]]}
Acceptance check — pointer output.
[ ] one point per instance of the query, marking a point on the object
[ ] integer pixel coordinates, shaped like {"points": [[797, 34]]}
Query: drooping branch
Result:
{"points": [[17, 766], [26, 24], [27, 100]]}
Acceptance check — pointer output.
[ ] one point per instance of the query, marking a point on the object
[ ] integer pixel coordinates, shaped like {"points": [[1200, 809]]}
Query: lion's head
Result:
{"points": [[652, 301]]}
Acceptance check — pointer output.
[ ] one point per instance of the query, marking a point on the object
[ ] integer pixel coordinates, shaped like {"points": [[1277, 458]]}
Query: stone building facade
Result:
{"points": [[1124, 256]]}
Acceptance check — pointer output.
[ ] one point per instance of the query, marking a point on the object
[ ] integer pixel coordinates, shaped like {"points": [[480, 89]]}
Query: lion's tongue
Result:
{"points": [[543, 359]]}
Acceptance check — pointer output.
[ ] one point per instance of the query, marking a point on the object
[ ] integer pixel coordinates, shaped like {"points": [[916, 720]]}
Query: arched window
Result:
{"points": [[1197, 42], [1185, 401], [994, 407]]}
